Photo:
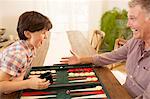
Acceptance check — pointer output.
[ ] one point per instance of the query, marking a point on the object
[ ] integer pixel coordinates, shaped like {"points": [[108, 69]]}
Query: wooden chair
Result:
{"points": [[97, 38], [118, 43]]}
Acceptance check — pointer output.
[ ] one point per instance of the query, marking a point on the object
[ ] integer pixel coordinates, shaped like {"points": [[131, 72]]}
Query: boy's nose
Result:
{"points": [[45, 37]]}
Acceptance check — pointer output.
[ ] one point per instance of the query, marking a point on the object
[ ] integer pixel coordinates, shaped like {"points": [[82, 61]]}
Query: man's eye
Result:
{"points": [[132, 18]]}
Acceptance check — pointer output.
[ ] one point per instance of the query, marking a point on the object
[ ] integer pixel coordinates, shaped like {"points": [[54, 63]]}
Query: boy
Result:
{"points": [[32, 29]]}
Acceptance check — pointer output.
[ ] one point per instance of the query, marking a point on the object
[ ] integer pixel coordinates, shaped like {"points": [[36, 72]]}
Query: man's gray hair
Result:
{"points": [[145, 4]]}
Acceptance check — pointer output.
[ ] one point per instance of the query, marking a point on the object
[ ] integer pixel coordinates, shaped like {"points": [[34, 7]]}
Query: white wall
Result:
{"points": [[0, 13], [98, 7], [123, 4], [12, 9], [95, 12]]}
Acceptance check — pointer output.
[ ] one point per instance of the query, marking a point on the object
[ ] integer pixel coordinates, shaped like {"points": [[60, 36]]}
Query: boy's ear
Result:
{"points": [[148, 17], [27, 34]]}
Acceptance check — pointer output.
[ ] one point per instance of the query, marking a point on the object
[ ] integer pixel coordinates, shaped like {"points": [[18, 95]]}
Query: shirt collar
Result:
{"points": [[144, 52], [31, 50], [142, 44]]}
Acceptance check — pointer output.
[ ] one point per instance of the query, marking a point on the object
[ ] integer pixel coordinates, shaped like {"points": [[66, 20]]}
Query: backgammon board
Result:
{"points": [[69, 82]]}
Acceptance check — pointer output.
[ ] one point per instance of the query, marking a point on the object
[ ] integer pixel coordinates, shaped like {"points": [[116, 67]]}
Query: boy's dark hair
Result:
{"points": [[32, 21]]}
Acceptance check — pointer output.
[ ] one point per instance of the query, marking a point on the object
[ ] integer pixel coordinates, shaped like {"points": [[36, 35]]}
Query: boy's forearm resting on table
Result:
{"points": [[11, 86]]}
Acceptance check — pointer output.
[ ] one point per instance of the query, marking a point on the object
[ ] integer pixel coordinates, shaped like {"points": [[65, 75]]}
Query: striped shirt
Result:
{"points": [[16, 58], [137, 66]]}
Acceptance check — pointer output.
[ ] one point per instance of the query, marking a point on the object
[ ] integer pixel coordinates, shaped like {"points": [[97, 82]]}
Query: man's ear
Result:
{"points": [[27, 34]]}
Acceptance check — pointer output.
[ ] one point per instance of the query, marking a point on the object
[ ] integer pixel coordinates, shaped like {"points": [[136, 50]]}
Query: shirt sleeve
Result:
{"points": [[111, 57], [12, 63], [146, 94]]}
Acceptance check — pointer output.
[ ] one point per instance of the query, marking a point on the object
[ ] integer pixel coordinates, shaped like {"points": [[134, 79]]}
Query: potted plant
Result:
{"points": [[114, 24]]}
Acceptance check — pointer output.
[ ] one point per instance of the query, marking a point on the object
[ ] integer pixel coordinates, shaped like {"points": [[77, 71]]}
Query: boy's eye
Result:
{"points": [[43, 33]]}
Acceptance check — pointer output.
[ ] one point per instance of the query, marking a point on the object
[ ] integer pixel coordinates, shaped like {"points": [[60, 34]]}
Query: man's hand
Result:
{"points": [[71, 60]]}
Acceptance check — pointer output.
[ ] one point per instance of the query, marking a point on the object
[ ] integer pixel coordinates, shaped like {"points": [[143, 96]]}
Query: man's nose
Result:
{"points": [[128, 23]]}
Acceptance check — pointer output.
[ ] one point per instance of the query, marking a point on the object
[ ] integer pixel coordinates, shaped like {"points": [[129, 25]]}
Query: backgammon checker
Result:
{"points": [[47, 76]]}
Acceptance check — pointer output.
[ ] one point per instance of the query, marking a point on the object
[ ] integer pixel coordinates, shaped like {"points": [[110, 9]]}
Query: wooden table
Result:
{"points": [[82, 47]]}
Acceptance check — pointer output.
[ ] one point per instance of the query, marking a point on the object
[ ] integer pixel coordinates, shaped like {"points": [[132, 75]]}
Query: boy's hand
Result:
{"points": [[37, 83]]}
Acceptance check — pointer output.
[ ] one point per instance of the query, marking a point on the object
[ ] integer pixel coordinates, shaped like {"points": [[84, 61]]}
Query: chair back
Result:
{"points": [[97, 38]]}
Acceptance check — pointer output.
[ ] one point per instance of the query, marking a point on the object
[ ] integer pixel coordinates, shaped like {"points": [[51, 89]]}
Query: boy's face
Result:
{"points": [[37, 38]]}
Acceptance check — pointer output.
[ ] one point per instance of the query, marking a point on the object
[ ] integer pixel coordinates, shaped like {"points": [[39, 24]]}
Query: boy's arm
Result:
{"points": [[7, 86]]}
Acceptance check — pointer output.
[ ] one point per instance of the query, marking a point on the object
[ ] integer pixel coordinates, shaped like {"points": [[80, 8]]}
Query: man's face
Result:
{"points": [[138, 21]]}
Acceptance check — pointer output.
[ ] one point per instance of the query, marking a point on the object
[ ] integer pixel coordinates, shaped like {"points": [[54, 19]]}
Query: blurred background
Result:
{"points": [[83, 15]]}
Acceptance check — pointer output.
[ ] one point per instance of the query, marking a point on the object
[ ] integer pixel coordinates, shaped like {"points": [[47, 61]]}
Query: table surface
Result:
{"points": [[81, 46]]}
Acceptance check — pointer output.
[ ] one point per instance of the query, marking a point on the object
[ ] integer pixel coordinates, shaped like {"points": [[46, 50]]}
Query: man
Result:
{"points": [[136, 52]]}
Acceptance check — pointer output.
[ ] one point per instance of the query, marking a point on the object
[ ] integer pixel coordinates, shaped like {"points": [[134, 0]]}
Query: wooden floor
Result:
{"points": [[120, 73], [120, 68]]}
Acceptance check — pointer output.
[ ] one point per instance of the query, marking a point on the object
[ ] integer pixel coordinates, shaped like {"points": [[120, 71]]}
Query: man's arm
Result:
{"points": [[111, 57], [99, 59]]}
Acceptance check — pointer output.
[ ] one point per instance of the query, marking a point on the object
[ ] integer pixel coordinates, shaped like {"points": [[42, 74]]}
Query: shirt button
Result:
{"points": [[131, 76], [133, 84], [138, 66]]}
